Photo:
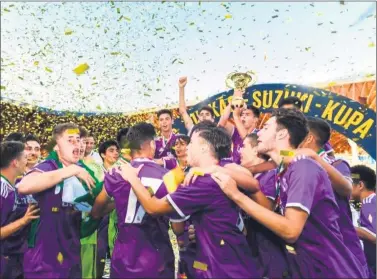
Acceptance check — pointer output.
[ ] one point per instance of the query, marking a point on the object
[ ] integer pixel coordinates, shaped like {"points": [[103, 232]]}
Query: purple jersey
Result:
{"points": [[142, 247], [13, 207], [163, 147], [225, 161], [267, 248], [170, 163], [237, 143], [56, 253], [368, 223], [319, 252], [221, 248], [346, 226]]}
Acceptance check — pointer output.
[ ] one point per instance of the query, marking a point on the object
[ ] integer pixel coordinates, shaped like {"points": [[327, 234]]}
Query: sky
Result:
{"points": [[137, 51]]}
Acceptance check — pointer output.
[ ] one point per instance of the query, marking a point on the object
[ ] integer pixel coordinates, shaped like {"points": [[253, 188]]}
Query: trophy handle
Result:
{"points": [[253, 78], [228, 81]]}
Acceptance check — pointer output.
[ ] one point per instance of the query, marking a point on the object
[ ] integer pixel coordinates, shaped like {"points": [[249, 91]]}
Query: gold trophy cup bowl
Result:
{"points": [[239, 82]]}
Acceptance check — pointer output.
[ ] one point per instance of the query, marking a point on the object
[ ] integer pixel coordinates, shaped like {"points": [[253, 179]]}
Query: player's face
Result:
{"points": [[111, 155], [82, 147], [205, 115], [194, 150], [32, 151], [166, 123], [68, 147], [248, 119], [267, 136], [20, 163], [180, 148], [248, 152], [90, 144]]}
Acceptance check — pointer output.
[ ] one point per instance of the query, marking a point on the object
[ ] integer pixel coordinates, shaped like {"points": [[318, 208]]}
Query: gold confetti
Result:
{"points": [[82, 68], [68, 32], [331, 84], [228, 16], [60, 258], [371, 44], [48, 70], [2, 87], [36, 63]]}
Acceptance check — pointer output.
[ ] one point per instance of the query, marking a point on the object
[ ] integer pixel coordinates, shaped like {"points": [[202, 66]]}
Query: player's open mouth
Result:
{"points": [[76, 152]]}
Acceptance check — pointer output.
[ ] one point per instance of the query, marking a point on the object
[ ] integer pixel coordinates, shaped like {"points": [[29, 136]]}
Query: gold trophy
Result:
{"points": [[239, 82]]}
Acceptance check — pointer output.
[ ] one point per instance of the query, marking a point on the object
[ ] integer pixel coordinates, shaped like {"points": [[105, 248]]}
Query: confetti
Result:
{"points": [[82, 68], [227, 16], [68, 32], [48, 70], [371, 44]]}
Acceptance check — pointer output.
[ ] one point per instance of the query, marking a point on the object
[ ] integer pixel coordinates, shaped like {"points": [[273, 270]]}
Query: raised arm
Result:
{"points": [[237, 121], [224, 120], [182, 104]]}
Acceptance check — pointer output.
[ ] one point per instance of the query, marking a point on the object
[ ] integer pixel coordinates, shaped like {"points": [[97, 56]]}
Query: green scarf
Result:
{"points": [[89, 225]]}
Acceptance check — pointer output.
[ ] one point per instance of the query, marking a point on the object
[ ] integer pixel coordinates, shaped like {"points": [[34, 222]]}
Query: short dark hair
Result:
{"points": [[83, 132], [165, 111], [207, 108], [16, 136], [61, 128], [321, 129], [31, 137], [121, 136], [365, 174], [255, 110], [253, 138], [292, 100], [203, 125], [295, 122], [181, 137], [10, 150], [106, 144], [219, 140], [139, 134]]}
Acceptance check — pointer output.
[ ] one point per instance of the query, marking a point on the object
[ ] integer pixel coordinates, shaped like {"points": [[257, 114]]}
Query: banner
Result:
{"points": [[346, 116]]}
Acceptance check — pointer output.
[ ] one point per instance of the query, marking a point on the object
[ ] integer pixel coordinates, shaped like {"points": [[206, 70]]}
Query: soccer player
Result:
{"points": [[164, 143], [222, 249], [89, 150], [32, 150], [205, 112], [340, 176], [245, 122], [294, 102], [310, 214], [143, 247], [55, 252], [15, 216], [109, 152], [179, 152], [122, 141], [364, 191], [267, 248]]}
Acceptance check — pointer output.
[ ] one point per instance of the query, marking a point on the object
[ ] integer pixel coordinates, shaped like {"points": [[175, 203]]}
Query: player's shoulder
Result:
{"points": [[205, 181], [305, 166], [44, 166], [5, 188], [370, 200]]}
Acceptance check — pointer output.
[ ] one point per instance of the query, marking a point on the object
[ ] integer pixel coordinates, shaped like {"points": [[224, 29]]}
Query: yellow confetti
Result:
{"points": [[48, 70], [371, 44], [369, 75], [2, 87], [115, 53], [36, 63], [68, 31], [265, 57], [227, 16], [98, 107], [60, 258], [82, 68], [331, 84]]}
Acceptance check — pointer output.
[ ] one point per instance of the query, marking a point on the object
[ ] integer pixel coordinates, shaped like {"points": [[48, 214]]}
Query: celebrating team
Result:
{"points": [[243, 202]]}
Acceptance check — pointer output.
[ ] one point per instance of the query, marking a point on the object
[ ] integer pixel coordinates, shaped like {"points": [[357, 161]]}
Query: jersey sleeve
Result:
{"points": [[195, 197], [6, 204], [44, 166], [368, 218], [268, 186], [344, 169], [302, 184], [169, 163]]}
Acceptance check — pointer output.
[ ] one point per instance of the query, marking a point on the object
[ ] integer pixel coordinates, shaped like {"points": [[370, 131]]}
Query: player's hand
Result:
{"points": [[226, 183], [238, 93], [128, 172], [182, 82], [32, 213], [237, 112], [83, 175], [191, 234]]}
